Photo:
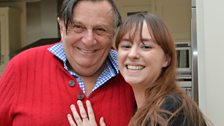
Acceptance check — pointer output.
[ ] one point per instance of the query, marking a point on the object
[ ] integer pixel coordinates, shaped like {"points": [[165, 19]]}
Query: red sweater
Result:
{"points": [[35, 91]]}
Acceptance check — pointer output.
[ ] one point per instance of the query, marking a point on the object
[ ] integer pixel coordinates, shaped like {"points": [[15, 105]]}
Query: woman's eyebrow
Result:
{"points": [[125, 39], [146, 39]]}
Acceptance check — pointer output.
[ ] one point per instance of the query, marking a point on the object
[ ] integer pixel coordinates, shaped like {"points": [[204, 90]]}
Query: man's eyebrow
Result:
{"points": [[102, 26], [74, 21]]}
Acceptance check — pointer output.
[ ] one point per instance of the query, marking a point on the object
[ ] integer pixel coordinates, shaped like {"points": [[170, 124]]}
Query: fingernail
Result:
{"points": [[78, 101], [72, 106]]}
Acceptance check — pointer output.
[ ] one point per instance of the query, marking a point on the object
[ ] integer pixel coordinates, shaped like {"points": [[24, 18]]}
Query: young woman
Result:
{"points": [[147, 61]]}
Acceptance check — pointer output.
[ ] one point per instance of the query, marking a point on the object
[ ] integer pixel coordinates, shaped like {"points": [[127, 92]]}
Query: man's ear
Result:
{"points": [[60, 23], [61, 28]]}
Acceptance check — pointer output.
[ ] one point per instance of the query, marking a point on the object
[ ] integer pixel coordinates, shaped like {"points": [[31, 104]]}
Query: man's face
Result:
{"points": [[89, 38]]}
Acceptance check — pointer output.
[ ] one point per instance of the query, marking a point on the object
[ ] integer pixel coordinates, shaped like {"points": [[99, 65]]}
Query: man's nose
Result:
{"points": [[88, 38]]}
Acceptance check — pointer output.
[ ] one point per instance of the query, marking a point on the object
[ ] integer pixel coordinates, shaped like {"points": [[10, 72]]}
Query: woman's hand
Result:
{"points": [[84, 119]]}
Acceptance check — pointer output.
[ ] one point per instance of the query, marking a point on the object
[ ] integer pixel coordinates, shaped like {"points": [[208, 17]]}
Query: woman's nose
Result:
{"points": [[133, 53]]}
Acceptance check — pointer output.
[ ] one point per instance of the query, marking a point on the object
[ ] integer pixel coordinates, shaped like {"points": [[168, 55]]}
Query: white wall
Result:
{"points": [[41, 20], [210, 31], [49, 19], [21, 7], [33, 26]]}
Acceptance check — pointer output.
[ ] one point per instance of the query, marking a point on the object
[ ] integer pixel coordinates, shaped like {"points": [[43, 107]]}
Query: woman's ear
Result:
{"points": [[166, 60]]}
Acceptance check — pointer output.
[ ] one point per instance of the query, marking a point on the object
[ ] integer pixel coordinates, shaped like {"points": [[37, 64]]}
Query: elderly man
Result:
{"points": [[40, 84]]}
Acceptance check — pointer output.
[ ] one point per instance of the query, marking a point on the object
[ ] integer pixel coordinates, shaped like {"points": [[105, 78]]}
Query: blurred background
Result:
{"points": [[197, 27]]}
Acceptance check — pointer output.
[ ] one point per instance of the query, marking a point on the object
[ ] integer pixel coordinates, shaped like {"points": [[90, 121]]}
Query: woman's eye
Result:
{"points": [[125, 46], [146, 46]]}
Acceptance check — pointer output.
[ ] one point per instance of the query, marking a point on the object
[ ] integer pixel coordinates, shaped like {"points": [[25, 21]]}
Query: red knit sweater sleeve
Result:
{"points": [[8, 94], [13, 85]]}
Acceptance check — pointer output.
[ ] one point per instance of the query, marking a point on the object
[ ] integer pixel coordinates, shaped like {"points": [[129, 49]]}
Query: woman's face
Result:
{"points": [[141, 60]]}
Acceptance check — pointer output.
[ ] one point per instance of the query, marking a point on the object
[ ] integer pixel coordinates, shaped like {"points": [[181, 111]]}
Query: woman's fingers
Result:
{"points": [[90, 110], [82, 110], [82, 118], [102, 123], [70, 120], [75, 114]]}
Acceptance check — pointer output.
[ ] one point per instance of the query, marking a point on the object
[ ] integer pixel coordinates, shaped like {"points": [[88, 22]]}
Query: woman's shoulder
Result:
{"points": [[171, 102], [180, 112]]}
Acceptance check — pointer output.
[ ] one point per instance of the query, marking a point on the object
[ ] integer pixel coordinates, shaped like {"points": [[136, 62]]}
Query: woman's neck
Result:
{"points": [[139, 94]]}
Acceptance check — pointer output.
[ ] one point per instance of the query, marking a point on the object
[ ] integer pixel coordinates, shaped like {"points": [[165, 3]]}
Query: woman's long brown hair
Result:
{"points": [[151, 112]]}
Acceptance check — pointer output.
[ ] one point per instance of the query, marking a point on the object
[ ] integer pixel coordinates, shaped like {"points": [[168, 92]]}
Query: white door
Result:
{"points": [[3, 43]]}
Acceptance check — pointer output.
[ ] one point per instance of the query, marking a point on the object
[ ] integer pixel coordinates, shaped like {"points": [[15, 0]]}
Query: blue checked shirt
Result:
{"points": [[109, 71]]}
